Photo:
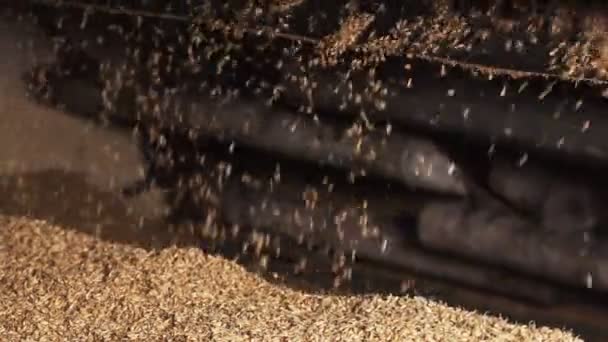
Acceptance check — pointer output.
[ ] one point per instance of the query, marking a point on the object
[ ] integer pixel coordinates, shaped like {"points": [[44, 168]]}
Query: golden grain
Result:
{"points": [[59, 285]]}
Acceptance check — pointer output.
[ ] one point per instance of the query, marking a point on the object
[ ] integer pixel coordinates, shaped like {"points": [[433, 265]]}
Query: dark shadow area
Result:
{"points": [[67, 200]]}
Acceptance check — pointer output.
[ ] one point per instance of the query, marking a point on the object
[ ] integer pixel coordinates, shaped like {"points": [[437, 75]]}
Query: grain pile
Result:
{"points": [[59, 285]]}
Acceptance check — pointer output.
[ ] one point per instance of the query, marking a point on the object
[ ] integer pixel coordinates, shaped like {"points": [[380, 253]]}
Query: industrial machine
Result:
{"points": [[457, 141]]}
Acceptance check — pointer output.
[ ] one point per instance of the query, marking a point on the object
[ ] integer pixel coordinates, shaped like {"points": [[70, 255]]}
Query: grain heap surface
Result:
{"points": [[59, 285]]}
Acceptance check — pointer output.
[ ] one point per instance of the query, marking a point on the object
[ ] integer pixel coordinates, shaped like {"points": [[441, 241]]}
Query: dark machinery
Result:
{"points": [[463, 141]]}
